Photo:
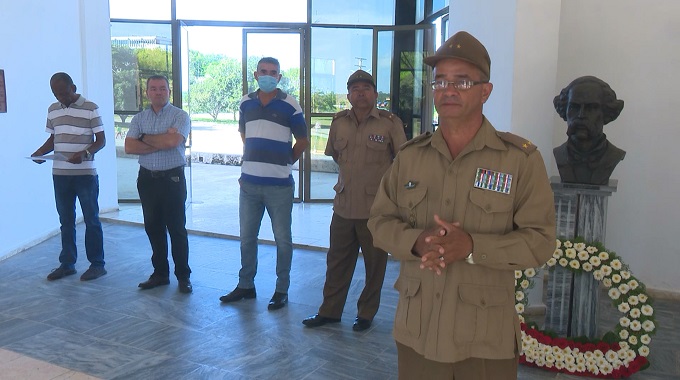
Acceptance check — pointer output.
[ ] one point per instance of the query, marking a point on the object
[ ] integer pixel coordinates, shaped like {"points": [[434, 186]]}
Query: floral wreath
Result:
{"points": [[619, 353]]}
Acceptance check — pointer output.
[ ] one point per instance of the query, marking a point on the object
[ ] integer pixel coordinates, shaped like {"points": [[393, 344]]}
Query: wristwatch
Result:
{"points": [[141, 137], [88, 155]]}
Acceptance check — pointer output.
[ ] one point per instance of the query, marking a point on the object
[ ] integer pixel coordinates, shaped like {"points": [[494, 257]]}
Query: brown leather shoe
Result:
{"points": [[317, 320], [153, 282]]}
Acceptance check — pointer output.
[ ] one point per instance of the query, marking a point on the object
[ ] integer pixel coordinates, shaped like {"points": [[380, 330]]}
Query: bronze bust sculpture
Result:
{"points": [[587, 104]]}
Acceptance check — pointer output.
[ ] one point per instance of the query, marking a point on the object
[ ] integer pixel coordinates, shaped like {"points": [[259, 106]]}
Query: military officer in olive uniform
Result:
{"points": [[363, 142], [462, 208]]}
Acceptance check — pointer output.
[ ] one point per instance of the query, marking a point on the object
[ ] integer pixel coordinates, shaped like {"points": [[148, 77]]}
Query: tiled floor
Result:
{"points": [[109, 329]]}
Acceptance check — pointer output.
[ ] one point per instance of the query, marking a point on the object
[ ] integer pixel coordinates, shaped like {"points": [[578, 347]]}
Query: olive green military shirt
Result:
{"points": [[363, 152], [468, 310]]}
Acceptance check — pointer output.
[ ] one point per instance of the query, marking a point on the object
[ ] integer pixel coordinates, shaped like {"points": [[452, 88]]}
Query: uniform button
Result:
{"points": [[447, 202], [483, 257], [483, 302], [437, 295]]}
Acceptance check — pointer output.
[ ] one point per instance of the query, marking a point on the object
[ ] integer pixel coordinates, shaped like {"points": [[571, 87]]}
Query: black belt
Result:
{"points": [[161, 173]]}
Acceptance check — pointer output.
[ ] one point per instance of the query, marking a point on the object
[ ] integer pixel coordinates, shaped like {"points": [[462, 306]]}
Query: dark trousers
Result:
{"points": [[347, 235], [163, 195]]}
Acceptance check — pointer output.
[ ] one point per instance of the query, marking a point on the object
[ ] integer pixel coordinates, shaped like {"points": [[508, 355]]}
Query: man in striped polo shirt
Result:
{"points": [[267, 119], [76, 134]]}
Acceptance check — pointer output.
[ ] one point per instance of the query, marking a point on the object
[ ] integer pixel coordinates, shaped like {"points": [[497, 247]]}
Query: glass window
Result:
{"points": [[336, 54], [137, 51], [293, 11], [140, 10], [324, 173], [438, 5], [353, 12]]}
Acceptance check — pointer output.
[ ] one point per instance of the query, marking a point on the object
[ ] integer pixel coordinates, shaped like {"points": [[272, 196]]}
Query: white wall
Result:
{"points": [[633, 46], [537, 47], [40, 38]]}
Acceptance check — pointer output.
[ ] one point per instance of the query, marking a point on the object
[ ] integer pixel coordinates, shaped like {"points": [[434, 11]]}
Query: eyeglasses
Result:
{"points": [[460, 84]]}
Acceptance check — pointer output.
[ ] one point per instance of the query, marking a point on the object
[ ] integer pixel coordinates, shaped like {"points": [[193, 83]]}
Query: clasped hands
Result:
{"points": [[442, 244]]}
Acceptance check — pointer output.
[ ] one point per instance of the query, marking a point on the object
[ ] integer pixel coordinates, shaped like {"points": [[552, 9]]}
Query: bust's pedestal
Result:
{"points": [[571, 302]]}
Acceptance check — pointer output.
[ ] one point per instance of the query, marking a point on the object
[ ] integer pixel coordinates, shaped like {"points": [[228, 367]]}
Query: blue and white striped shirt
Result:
{"points": [[268, 151]]}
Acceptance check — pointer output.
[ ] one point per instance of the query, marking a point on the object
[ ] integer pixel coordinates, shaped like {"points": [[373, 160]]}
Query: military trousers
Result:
{"points": [[414, 366], [346, 237]]}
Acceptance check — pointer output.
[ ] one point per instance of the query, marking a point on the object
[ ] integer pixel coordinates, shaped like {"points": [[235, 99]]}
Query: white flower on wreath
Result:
{"points": [[644, 351], [570, 253], [583, 255], [635, 325], [625, 274], [624, 321], [574, 264], [616, 278], [647, 310], [616, 264], [614, 293], [623, 307], [645, 339], [595, 261], [635, 313]]}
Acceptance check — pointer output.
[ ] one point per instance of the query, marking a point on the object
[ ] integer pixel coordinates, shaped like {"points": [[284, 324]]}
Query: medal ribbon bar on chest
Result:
{"points": [[492, 180]]}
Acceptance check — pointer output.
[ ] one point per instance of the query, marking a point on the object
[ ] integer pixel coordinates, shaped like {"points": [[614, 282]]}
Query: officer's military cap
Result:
{"points": [[360, 76], [463, 46]]}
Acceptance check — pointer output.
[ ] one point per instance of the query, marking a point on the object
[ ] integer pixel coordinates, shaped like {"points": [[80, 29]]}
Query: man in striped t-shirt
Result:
{"points": [[267, 119], [76, 134]]}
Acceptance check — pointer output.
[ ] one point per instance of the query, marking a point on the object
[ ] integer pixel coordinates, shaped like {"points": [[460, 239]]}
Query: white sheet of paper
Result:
{"points": [[55, 156]]}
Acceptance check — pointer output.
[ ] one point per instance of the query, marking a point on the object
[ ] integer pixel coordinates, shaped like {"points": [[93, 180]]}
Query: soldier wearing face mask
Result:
{"points": [[268, 118]]}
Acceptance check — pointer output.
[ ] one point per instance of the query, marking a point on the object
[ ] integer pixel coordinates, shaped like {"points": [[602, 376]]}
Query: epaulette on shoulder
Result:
{"points": [[340, 114], [386, 114], [424, 137], [521, 143]]}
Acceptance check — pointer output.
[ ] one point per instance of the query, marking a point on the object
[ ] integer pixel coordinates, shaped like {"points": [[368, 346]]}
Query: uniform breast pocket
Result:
{"points": [[480, 314], [490, 211], [410, 306], [376, 152], [413, 206], [340, 147]]}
